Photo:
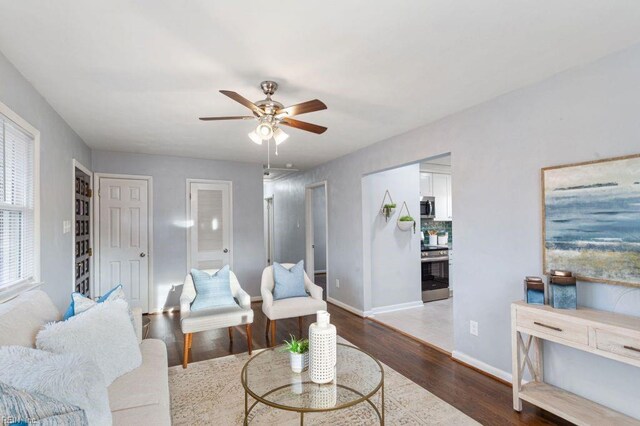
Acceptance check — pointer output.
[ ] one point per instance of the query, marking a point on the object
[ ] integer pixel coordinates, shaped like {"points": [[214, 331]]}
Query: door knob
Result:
{"points": [[225, 251], [143, 254]]}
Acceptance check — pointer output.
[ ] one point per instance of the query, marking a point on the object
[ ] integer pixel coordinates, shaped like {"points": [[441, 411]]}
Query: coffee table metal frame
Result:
{"points": [[303, 410]]}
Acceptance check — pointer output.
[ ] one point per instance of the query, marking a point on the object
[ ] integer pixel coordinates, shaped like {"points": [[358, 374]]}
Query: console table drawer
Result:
{"points": [[618, 344], [548, 324]]}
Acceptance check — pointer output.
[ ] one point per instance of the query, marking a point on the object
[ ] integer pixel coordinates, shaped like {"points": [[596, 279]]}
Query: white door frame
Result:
{"points": [[270, 244], [308, 204], [96, 215], [189, 225], [79, 165]]}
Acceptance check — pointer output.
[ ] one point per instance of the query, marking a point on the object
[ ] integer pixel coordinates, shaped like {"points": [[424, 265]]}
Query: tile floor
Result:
{"points": [[432, 322]]}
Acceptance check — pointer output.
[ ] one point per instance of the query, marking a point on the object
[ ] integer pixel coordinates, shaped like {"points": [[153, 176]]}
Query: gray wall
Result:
{"points": [[319, 229], [59, 145], [391, 260], [497, 150], [169, 212]]}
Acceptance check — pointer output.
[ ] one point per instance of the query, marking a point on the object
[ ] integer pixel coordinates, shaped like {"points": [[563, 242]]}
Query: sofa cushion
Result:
{"points": [[22, 317], [103, 333], [21, 407], [146, 385]]}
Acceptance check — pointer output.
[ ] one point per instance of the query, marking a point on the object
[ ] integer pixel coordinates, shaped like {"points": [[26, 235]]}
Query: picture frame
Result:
{"points": [[591, 220]]}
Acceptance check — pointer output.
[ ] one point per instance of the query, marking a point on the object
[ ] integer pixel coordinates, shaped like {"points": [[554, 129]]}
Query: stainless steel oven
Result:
{"points": [[435, 273]]}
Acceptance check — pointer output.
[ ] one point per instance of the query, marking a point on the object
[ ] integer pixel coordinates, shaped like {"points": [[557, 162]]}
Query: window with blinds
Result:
{"points": [[17, 205]]}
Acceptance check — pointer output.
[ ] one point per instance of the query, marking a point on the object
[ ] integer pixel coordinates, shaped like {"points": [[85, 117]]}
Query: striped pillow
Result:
{"points": [[23, 408]]}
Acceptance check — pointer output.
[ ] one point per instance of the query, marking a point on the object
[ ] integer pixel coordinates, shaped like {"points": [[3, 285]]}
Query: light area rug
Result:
{"points": [[210, 393]]}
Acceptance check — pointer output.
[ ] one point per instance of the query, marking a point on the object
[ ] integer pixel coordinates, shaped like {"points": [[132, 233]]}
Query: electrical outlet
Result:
{"points": [[337, 283], [66, 226], [473, 327]]}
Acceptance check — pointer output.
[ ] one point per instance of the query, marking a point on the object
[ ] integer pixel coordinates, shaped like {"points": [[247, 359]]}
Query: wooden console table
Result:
{"points": [[606, 334]]}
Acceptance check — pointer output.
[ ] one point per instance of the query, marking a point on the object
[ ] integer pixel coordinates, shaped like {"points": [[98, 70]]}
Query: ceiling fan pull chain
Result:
{"points": [[269, 154], [276, 149]]}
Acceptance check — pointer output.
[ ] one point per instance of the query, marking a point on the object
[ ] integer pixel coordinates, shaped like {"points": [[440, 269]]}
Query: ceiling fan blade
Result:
{"points": [[235, 117], [302, 125], [303, 108], [244, 101]]}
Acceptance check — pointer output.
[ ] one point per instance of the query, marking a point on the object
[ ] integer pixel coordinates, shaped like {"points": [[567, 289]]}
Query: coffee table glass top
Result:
{"points": [[268, 378]]}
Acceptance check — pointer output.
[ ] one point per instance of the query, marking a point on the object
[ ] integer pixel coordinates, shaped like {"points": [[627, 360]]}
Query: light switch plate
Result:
{"points": [[66, 226]]}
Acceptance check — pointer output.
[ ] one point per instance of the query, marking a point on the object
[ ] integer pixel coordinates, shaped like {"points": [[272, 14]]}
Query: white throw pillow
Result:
{"points": [[103, 333], [69, 378]]}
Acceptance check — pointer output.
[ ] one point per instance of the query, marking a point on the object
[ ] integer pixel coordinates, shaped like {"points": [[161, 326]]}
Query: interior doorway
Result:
{"points": [[124, 236], [317, 235], [209, 209]]}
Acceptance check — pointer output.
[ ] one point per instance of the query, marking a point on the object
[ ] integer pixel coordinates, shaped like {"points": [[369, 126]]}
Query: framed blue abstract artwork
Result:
{"points": [[591, 220]]}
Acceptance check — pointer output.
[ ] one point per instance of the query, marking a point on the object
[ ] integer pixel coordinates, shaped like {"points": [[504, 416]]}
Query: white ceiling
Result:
{"points": [[135, 75]]}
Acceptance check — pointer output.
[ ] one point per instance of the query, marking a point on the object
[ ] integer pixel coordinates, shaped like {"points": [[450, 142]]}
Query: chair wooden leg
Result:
{"points": [[187, 343], [231, 334], [273, 333], [249, 338], [190, 340], [300, 327], [266, 333]]}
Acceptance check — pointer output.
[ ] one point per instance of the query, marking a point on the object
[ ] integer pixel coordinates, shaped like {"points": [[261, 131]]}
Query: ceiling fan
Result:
{"points": [[272, 114]]}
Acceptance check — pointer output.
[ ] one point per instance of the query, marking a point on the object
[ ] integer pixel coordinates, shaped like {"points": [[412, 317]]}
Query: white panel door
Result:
{"points": [[124, 239], [210, 230]]}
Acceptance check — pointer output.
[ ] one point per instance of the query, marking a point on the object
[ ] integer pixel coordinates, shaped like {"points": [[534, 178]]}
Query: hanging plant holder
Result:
{"points": [[388, 206], [406, 222]]}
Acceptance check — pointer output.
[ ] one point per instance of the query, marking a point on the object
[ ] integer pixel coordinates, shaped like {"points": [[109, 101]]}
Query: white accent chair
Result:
{"points": [[214, 318], [291, 307]]}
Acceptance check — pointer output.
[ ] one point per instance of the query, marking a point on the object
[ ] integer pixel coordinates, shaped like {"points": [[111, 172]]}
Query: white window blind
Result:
{"points": [[17, 206]]}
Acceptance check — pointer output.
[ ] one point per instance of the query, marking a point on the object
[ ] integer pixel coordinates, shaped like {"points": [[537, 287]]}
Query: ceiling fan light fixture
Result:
{"points": [[279, 136], [255, 138], [264, 131]]}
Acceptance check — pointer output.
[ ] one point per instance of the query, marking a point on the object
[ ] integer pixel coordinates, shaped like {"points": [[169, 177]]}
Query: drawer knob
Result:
{"points": [[549, 326], [631, 348]]}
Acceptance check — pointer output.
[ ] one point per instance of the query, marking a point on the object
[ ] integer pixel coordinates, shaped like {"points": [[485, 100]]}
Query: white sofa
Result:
{"points": [[140, 397]]}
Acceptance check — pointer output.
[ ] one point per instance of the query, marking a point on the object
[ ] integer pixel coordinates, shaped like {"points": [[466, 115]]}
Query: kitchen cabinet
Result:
{"points": [[426, 184], [442, 193]]}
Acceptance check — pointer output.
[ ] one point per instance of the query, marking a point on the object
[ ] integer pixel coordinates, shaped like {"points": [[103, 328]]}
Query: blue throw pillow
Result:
{"points": [[81, 303], [212, 291], [288, 282]]}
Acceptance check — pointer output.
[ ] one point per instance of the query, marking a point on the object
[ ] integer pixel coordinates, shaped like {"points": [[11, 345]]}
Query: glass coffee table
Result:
{"points": [[268, 379]]}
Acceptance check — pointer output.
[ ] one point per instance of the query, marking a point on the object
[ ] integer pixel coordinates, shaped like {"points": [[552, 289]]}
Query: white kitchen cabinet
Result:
{"points": [[426, 184], [442, 193]]}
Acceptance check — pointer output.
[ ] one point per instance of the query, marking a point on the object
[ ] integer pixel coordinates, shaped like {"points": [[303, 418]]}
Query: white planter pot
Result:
{"points": [[433, 240], [443, 240], [405, 226], [299, 362]]}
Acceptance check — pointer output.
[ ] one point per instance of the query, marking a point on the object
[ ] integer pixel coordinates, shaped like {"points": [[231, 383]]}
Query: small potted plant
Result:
{"points": [[298, 353], [387, 210], [405, 223]]}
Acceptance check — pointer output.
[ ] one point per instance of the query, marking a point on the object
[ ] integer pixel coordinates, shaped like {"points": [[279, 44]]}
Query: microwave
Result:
{"points": [[427, 207]]}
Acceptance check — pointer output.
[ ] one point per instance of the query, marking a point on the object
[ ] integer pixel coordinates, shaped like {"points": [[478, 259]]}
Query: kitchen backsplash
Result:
{"points": [[428, 225]]}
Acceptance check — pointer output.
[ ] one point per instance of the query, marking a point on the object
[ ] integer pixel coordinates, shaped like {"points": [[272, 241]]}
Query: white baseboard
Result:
{"points": [[489, 369], [345, 307], [320, 271], [256, 298], [392, 308]]}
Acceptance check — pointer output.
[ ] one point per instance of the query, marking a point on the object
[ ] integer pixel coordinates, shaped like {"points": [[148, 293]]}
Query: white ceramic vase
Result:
{"points": [[322, 349], [299, 361], [433, 240]]}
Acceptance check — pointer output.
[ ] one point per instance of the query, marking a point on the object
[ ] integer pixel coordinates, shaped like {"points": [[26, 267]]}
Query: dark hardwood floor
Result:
{"points": [[486, 400]]}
